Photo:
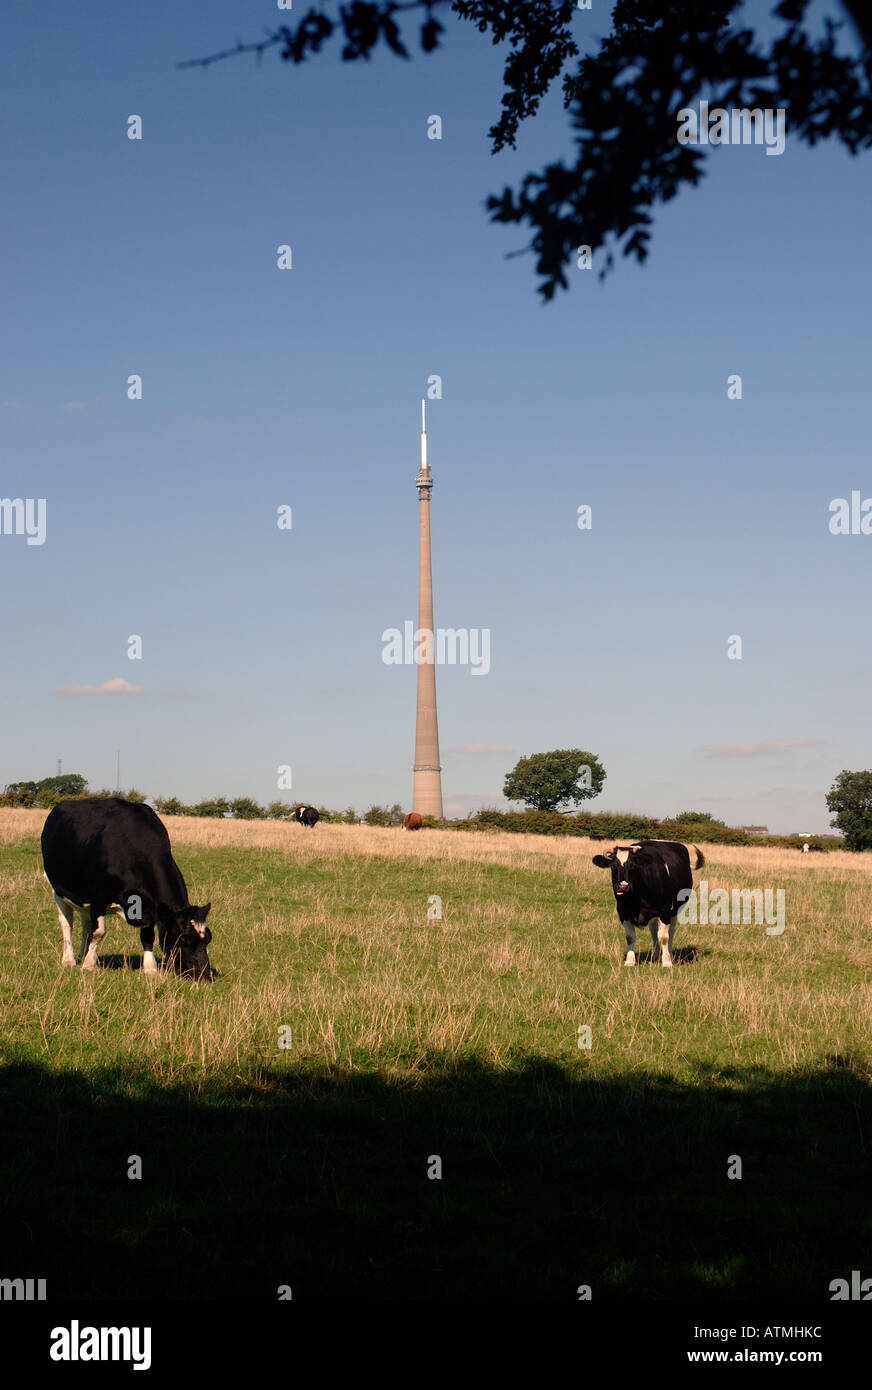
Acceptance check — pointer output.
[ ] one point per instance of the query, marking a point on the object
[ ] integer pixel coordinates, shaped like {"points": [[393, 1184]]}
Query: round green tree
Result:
{"points": [[850, 797], [548, 781]]}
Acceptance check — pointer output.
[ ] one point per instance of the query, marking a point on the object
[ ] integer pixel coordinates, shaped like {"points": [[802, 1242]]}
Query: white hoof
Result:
{"points": [[631, 958], [68, 959], [89, 963], [667, 964]]}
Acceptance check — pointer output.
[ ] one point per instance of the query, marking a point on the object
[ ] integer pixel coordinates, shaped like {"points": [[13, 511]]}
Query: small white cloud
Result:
{"points": [[481, 748], [116, 686], [755, 750]]}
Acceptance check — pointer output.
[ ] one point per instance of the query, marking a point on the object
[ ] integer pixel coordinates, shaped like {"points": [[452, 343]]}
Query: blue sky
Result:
{"points": [[264, 387]]}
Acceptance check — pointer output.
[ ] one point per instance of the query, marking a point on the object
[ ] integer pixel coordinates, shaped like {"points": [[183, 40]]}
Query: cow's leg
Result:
{"points": [[66, 917], [664, 936], [149, 964], [630, 934], [86, 932], [93, 931], [97, 934], [654, 927]]}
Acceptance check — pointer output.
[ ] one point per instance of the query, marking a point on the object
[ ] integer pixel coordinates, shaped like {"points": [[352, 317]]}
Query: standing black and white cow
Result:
{"points": [[108, 855], [307, 815], [647, 878]]}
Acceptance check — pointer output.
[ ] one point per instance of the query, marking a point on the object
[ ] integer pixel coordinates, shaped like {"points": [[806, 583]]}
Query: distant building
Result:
{"points": [[755, 829]]}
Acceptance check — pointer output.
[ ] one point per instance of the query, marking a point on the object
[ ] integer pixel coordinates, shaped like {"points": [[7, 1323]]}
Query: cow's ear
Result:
{"points": [[204, 912], [601, 861]]}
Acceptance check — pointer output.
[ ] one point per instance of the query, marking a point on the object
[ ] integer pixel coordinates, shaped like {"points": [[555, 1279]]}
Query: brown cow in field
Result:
{"points": [[412, 821]]}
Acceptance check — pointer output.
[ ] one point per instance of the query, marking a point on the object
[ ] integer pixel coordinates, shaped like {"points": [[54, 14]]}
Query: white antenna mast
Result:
{"points": [[424, 464]]}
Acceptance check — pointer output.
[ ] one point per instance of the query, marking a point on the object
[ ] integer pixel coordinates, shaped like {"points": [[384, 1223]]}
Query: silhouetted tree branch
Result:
{"points": [[622, 101]]}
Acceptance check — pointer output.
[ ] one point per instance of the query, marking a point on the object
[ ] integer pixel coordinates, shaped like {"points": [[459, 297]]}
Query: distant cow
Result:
{"points": [[108, 855], [307, 815], [647, 878], [412, 821], [806, 847]]}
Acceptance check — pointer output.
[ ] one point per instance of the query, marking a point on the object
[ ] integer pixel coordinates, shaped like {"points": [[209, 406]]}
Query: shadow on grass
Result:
{"points": [[122, 962], [550, 1179], [681, 955], [118, 963]]}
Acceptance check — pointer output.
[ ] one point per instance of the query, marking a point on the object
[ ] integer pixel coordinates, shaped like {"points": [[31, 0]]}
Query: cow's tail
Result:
{"points": [[700, 858]]}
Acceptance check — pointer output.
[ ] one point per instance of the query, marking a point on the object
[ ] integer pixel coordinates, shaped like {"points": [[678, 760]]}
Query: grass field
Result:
{"points": [[414, 1037]]}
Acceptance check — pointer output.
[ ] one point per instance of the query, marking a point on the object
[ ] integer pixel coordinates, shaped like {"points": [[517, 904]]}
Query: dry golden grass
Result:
{"points": [[339, 945], [493, 847], [409, 1035]]}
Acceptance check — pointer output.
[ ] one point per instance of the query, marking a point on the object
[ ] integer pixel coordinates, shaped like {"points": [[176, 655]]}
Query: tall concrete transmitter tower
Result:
{"points": [[427, 789]]}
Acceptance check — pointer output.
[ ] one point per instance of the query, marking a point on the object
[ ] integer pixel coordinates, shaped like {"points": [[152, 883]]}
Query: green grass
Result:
{"points": [[454, 1037]]}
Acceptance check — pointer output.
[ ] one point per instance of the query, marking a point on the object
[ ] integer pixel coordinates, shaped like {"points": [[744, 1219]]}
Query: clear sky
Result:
{"points": [[264, 387]]}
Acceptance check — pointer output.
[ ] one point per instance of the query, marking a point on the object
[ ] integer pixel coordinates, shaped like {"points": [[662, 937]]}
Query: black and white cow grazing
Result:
{"points": [[307, 815], [108, 855], [647, 878]]}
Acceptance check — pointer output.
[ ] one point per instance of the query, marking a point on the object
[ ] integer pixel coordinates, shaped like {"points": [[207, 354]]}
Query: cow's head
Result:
{"points": [[184, 939], [626, 862]]}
